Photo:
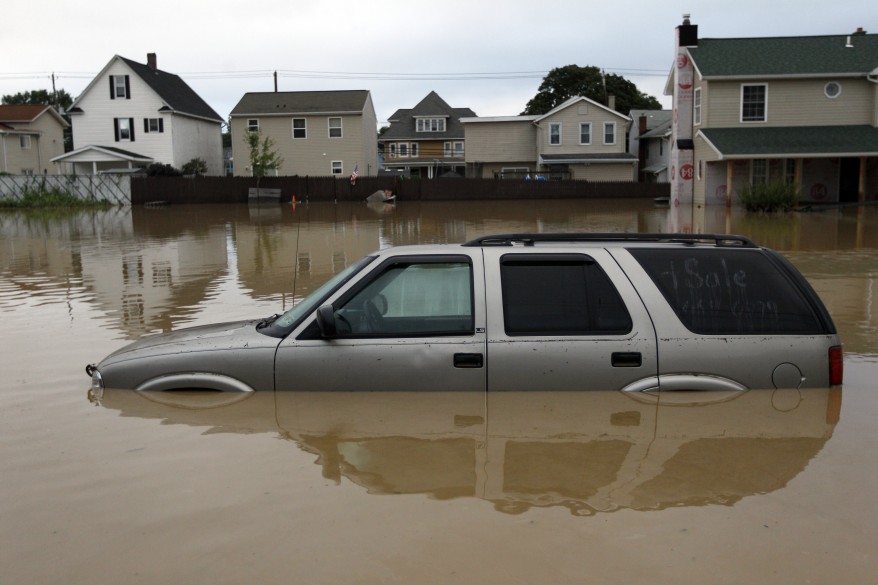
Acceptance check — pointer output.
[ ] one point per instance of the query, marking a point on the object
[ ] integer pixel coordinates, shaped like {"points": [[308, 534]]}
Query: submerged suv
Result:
{"points": [[519, 312]]}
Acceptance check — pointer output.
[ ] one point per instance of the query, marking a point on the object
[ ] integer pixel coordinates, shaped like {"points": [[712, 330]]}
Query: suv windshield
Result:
{"points": [[286, 322]]}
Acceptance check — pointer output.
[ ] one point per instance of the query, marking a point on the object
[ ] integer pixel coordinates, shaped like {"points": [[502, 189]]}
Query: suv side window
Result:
{"points": [[412, 298], [559, 294], [729, 292]]}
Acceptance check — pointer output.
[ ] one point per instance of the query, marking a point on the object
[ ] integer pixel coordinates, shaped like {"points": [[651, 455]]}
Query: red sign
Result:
{"points": [[687, 172], [682, 61]]}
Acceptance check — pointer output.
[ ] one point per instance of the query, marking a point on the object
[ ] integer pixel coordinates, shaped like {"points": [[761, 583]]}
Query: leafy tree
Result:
{"points": [[197, 166], [563, 83], [263, 157], [60, 99]]}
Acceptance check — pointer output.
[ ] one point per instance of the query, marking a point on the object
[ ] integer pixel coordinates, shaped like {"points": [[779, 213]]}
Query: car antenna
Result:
{"points": [[296, 259]]}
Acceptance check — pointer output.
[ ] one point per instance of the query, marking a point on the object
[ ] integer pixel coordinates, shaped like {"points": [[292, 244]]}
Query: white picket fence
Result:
{"points": [[113, 188]]}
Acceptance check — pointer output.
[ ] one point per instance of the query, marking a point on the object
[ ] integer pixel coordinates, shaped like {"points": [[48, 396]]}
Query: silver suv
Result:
{"points": [[630, 312]]}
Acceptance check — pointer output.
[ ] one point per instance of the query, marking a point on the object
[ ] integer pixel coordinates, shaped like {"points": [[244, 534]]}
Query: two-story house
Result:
{"points": [[797, 109], [317, 133], [30, 136], [427, 140], [650, 141], [133, 114], [579, 139]]}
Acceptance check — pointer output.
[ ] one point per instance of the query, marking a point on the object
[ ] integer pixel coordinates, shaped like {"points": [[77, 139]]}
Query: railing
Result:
{"points": [[113, 188]]}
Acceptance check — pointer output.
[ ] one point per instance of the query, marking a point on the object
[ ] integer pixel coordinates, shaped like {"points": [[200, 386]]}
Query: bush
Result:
{"points": [[770, 196], [39, 198], [196, 166], [162, 170]]}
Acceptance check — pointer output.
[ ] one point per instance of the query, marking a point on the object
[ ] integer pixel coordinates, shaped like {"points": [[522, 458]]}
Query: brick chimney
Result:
{"points": [[151, 61], [641, 124]]}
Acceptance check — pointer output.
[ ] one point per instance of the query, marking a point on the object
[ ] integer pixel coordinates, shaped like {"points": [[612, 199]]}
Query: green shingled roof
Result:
{"points": [[764, 142], [778, 56]]}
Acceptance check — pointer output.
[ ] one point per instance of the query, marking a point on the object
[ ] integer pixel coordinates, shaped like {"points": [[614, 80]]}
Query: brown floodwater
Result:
{"points": [[767, 487]]}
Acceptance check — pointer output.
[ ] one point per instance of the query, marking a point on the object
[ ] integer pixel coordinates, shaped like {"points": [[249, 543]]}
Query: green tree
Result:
{"points": [[263, 157], [197, 166], [60, 99], [563, 83]]}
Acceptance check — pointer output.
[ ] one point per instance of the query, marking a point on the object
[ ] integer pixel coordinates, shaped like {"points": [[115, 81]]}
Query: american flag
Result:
{"points": [[355, 173]]}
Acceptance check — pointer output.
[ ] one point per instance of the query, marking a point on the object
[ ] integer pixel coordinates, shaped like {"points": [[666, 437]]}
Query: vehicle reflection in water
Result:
{"points": [[586, 451]]}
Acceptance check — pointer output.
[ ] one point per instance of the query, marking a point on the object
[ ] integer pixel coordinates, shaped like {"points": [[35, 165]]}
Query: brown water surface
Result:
{"points": [[768, 487]]}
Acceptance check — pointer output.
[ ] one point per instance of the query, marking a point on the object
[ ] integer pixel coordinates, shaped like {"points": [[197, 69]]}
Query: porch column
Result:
{"points": [[729, 186], [94, 167], [798, 178], [861, 189]]}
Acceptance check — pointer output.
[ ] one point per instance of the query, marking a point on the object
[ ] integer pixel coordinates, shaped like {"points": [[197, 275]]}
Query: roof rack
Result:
{"points": [[691, 239]]}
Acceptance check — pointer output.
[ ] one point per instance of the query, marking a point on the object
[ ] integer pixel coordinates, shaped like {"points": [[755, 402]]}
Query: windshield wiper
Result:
{"points": [[268, 321]]}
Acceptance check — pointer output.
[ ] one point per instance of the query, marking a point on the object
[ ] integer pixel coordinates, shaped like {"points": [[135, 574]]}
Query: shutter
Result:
{"points": [[131, 125], [128, 97], [116, 128], [161, 124], [146, 125], [112, 90]]}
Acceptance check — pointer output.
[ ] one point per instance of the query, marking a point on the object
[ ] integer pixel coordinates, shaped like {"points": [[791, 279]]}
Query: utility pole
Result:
{"points": [[275, 82]]}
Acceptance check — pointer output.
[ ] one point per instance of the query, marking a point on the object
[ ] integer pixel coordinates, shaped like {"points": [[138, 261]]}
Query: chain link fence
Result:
{"points": [[115, 189]]}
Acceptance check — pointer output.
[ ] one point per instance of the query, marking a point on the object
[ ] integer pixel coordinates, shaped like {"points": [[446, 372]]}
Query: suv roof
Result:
{"points": [[691, 239]]}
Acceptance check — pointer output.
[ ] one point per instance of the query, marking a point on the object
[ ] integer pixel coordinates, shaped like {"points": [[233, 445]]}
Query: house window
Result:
{"points": [[832, 89], [300, 128], [28, 172], [696, 108], [414, 150], [153, 125], [24, 141], [585, 133], [392, 150], [753, 102], [447, 150], [458, 149], [252, 125], [336, 168], [758, 171], [555, 134], [609, 133], [430, 125], [335, 127], [120, 87], [124, 129], [403, 150]]}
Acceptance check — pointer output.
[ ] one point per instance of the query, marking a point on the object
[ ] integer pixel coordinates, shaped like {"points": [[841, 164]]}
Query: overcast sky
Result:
{"points": [[489, 56]]}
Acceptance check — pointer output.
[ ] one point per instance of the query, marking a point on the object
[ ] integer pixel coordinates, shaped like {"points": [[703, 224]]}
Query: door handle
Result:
{"points": [[626, 359], [469, 360]]}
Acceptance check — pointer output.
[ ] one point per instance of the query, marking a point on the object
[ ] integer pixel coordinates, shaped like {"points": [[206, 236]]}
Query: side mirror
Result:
{"points": [[326, 321]]}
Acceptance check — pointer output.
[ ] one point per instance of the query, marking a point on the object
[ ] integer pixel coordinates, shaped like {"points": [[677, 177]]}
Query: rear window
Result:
{"points": [[565, 294], [729, 292]]}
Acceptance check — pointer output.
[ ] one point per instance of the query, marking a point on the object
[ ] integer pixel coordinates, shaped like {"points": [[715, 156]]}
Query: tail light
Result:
{"points": [[836, 365]]}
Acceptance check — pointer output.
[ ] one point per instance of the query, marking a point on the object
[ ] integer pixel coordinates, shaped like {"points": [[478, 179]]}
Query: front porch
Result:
{"points": [[833, 164]]}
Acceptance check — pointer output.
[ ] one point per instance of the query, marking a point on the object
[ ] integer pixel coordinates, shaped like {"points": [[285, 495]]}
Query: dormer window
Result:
{"points": [[430, 125]]}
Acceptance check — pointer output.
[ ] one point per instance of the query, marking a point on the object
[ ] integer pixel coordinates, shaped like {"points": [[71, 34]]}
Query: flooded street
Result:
{"points": [[769, 487]]}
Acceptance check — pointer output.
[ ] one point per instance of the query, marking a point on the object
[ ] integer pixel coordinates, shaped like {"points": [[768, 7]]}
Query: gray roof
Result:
{"points": [[402, 122], [658, 131], [302, 102], [173, 91], [654, 118], [774, 56], [766, 142]]}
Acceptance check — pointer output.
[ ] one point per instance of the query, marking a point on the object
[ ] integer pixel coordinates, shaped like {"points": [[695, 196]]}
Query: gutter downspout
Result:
{"points": [[3, 143]]}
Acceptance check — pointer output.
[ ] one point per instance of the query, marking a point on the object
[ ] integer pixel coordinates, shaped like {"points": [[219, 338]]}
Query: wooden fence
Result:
{"points": [[235, 189]]}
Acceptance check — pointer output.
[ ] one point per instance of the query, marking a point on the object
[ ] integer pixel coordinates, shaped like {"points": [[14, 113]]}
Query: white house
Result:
{"points": [[133, 114]]}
